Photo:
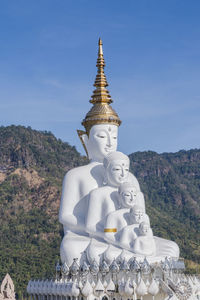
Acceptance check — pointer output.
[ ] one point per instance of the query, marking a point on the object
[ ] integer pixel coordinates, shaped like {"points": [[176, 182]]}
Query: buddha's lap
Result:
{"points": [[73, 246]]}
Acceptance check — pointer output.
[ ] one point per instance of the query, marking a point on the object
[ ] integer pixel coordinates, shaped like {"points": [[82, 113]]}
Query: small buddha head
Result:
{"points": [[144, 228], [116, 166], [127, 194], [137, 214]]}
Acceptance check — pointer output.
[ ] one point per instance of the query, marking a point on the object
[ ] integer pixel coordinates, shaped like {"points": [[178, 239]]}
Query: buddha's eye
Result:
{"points": [[116, 169], [102, 136], [127, 170], [114, 137]]}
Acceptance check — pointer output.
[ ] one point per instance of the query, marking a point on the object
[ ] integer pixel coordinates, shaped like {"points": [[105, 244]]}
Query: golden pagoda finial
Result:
{"points": [[101, 111], [100, 47], [101, 94]]}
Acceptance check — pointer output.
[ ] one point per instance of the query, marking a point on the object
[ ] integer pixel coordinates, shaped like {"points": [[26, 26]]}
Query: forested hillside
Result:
{"points": [[171, 185], [32, 166]]}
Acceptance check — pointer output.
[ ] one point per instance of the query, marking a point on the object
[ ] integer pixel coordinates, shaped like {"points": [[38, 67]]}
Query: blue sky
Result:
{"points": [[152, 51]]}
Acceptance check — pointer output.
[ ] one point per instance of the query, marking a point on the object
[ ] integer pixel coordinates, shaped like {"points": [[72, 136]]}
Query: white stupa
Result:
{"points": [[109, 250]]}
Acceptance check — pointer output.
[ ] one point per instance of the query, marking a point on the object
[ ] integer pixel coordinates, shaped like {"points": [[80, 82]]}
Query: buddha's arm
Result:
{"points": [[70, 197], [110, 227], [94, 211], [140, 200], [146, 218], [124, 238]]}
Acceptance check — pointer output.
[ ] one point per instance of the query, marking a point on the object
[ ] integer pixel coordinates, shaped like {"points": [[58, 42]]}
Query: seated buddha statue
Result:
{"points": [[144, 244], [99, 139], [120, 218], [130, 232]]}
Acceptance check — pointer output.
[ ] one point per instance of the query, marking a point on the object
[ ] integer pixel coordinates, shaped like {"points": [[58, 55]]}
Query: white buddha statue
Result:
{"points": [[99, 139], [144, 244], [78, 182], [128, 196], [105, 199], [131, 232]]}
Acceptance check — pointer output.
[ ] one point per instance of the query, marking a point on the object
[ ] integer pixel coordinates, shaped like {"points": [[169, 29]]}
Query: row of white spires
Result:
{"points": [[128, 280], [126, 288], [133, 265]]}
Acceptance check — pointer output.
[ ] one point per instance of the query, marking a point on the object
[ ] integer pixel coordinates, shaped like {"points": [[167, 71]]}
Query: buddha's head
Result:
{"points": [[144, 228], [137, 214], [101, 122], [116, 166], [127, 194], [101, 140]]}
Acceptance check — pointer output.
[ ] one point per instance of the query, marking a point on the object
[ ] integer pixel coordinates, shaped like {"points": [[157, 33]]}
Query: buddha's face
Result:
{"points": [[138, 216], [144, 229], [128, 197], [102, 140], [117, 172]]}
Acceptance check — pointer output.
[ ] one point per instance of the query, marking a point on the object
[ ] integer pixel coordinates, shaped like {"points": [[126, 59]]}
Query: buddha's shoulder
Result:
{"points": [[117, 213], [121, 211], [79, 172], [103, 190]]}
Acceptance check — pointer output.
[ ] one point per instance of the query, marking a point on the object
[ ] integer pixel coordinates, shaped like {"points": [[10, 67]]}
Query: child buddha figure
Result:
{"points": [[105, 200], [144, 244], [129, 196], [129, 233]]}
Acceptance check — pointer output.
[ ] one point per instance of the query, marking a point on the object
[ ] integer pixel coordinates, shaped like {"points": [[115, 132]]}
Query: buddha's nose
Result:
{"points": [[109, 144], [122, 172]]}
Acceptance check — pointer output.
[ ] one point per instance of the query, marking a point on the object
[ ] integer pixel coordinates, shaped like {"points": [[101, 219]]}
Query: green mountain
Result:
{"points": [[32, 166], [171, 185]]}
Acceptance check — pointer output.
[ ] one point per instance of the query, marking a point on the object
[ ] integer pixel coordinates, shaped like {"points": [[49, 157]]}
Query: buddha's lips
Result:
{"points": [[109, 149]]}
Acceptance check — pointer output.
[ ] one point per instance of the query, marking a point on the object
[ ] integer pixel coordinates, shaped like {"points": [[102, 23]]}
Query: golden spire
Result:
{"points": [[101, 94], [101, 111]]}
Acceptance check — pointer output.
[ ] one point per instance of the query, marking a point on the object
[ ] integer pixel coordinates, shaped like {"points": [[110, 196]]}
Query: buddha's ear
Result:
{"points": [[84, 140], [105, 178]]}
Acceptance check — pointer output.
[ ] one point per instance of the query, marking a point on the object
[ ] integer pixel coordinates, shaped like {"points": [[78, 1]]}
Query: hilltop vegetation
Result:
{"points": [[32, 166], [171, 185]]}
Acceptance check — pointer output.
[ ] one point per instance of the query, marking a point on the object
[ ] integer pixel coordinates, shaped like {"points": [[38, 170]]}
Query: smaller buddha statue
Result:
{"points": [[130, 195], [104, 200], [116, 220], [144, 244], [131, 232]]}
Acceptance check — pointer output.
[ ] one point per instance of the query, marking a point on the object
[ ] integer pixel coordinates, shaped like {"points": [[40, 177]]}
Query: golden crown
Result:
{"points": [[101, 111]]}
